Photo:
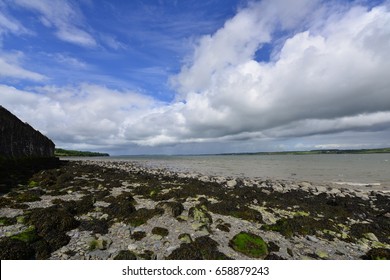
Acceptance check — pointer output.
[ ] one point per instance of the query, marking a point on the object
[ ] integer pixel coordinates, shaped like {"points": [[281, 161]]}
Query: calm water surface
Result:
{"points": [[343, 168]]}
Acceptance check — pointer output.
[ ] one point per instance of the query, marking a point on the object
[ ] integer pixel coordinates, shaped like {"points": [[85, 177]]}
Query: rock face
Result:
{"points": [[19, 140]]}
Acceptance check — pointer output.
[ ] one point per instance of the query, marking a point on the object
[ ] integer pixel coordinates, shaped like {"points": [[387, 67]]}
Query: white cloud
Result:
{"points": [[68, 60], [62, 15], [89, 114], [10, 68], [332, 73], [8, 24], [112, 42]]}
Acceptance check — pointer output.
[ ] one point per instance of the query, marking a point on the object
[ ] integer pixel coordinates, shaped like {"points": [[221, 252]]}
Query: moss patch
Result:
{"points": [[249, 244], [28, 236]]}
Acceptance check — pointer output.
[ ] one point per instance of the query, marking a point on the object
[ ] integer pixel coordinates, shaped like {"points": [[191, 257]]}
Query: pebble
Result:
{"points": [[231, 183], [132, 247], [312, 238]]}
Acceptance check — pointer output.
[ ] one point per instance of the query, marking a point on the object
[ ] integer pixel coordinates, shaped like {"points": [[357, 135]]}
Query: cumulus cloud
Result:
{"points": [[88, 113], [318, 79], [64, 17]]}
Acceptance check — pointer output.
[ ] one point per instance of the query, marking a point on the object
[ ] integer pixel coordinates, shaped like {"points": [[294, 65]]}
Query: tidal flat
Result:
{"points": [[121, 210]]}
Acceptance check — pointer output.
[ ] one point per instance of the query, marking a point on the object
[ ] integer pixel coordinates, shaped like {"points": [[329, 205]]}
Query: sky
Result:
{"points": [[195, 77]]}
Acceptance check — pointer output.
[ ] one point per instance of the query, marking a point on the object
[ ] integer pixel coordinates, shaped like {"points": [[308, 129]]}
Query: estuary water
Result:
{"points": [[354, 169]]}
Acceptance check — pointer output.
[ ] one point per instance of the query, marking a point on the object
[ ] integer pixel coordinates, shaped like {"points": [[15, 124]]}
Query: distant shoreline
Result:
{"points": [[318, 152]]}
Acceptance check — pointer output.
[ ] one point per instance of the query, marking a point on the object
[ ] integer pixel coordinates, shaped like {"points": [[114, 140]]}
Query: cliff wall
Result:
{"points": [[18, 140]]}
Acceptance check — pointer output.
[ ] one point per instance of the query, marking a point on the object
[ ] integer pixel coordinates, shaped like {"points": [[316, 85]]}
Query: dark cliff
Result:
{"points": [[18, 140]]}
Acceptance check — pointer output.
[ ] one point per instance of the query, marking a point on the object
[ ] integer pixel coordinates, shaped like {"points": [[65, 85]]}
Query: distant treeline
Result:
{"points": [[71, 153]]}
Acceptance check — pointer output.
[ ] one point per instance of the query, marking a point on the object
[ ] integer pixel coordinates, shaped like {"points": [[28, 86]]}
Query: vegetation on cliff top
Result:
{"points": [[71, 153]]}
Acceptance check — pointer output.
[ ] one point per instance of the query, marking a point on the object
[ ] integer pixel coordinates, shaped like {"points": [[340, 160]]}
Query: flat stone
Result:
{"points": [[98, 255], [185, 238], [231, 183], [132, 247], [322, 254], [312, 238], [321, 189], [156, 237]]}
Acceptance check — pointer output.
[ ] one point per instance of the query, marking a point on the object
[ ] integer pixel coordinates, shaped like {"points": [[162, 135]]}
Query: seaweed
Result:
{"points": [[203, 248]]}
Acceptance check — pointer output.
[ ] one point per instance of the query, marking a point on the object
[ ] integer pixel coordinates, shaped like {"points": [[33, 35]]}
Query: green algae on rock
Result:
{"points": [[28, 236], [249, 244]]}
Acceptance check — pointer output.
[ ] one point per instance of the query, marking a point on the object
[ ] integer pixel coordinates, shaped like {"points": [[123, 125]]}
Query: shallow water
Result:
{"points": [[373, 169]]}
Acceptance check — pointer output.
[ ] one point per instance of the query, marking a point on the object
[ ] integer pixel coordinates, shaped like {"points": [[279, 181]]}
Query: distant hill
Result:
{"points": [[71, 153], [334, 151], [318, 152]]}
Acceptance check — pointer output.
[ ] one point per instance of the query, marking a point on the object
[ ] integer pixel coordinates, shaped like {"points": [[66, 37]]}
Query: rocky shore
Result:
{"points": [[120, 210]]}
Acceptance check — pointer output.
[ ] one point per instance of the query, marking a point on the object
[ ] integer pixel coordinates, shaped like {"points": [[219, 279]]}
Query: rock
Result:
{"points": [[231, 183], [132, 247], [370, 236], [305, 184], [334, 191], [312, 238], [277, 188], [185, 238], [103, 243], [201, 215], [98, 255], [156, 237], [104, 217], [322, 254], [204, 179], [321, 189]]}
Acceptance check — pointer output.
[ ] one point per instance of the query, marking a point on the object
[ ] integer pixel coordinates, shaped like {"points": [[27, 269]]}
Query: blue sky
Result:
{"points": [[135, 77]]}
